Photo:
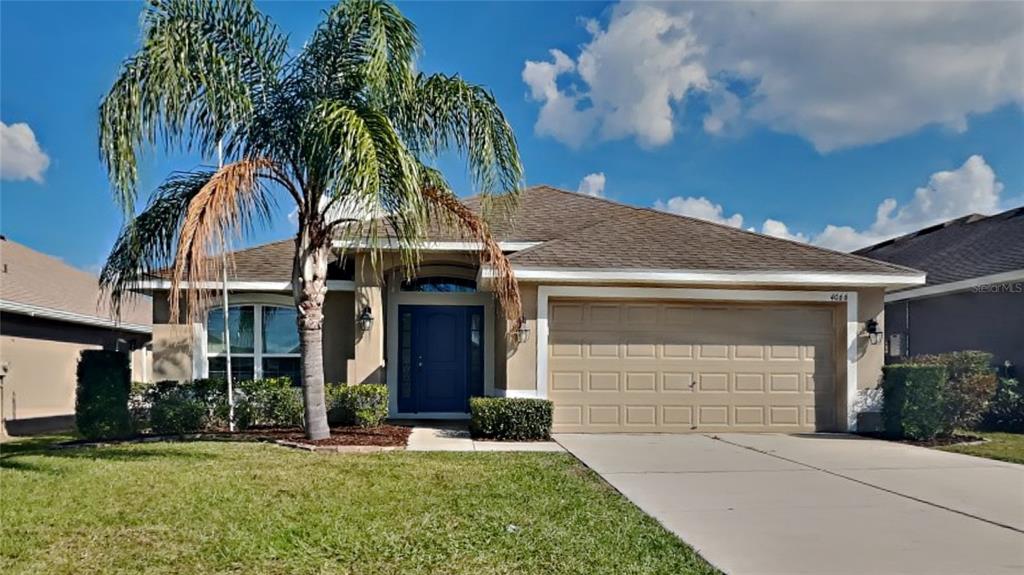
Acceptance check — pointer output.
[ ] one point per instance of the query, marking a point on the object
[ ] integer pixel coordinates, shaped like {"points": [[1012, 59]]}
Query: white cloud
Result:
{"points": [[633, 73], [836, 73], [971, 188], [21, 158], [592, 185], [701, 208]]}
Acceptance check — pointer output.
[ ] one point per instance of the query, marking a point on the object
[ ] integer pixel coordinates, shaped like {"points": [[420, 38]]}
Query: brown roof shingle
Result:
{"points": [[36, 279]]}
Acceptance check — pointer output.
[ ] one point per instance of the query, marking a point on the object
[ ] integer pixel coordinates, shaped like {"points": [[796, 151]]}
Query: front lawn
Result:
{"points": [[208, 507], [1001, 446]]}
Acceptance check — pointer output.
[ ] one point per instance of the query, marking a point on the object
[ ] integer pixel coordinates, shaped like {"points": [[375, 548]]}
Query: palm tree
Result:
{"points": [[343, 128]]}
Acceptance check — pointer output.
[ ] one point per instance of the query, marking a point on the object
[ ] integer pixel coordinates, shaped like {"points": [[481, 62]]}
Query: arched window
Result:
{"points": [[264, 342], [440, 284]]}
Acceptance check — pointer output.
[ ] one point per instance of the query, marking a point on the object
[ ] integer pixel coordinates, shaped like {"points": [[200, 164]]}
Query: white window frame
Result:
{"points": [[257, 340]]}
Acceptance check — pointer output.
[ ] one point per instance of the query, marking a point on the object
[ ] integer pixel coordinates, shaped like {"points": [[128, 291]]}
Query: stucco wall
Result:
{"points": [[339, 335], [521, 369], [42, 358], [986, 321]]}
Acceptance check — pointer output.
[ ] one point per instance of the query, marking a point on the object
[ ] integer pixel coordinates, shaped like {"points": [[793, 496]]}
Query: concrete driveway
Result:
{"points": [[819, 503]]}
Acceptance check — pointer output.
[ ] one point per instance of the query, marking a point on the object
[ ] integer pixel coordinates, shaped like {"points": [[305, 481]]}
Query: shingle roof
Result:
{"points": [[964, 248], [35, 279], [595, 233], [585, 232]]}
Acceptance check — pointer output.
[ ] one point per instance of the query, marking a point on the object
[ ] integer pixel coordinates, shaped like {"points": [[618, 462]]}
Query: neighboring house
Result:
{"points": [[49, 313], [635, 320], [974, 297]]}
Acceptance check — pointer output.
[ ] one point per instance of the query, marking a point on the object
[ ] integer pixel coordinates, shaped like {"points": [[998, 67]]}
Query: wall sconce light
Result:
{"points": [[874, 334], [523, 333], [365, 320]]}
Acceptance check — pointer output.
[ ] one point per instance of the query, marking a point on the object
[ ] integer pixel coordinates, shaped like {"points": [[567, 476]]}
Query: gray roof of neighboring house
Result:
{"points": [[584, 232], [31, 280], [960, 249]]}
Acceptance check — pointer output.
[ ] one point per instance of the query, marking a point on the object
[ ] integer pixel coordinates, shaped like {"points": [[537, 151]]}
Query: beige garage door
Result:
{"points": [[641, 366]]}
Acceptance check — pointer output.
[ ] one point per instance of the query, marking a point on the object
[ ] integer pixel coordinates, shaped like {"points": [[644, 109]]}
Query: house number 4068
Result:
{"points": [[838, 297]]}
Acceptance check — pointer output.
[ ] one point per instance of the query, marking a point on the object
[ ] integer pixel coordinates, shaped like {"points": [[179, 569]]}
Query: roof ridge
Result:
{"points": [[719, 225], [967, 219]]}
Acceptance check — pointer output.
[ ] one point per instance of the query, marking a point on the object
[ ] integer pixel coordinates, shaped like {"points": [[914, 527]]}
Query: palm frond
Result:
{"points": [[448, 113], [229, 204], [147, 242], [193, 81], [446, 209]]}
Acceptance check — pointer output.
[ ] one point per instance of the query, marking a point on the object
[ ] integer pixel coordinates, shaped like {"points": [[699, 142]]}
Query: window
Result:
{"points": [[264, 342], [440, 285]]}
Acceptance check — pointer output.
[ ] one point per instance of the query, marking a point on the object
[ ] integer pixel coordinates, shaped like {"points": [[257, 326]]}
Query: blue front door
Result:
{"points": [[440, 357]]}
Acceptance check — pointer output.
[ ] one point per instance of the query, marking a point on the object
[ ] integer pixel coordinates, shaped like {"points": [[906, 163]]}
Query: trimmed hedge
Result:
{"points": [[970, 386], [267, 402], [177, 409], [104, 380], [1006, 410], [365, 405], [913, 404], [510, 418]]}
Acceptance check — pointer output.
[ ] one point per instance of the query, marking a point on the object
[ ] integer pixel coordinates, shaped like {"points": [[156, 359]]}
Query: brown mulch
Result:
{"points": [[383, 436], [954, 439], [380, 436]]}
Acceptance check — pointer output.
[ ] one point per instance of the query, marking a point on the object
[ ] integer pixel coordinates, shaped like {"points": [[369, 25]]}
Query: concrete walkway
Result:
{"points": [[822, 504], [456, 438]]}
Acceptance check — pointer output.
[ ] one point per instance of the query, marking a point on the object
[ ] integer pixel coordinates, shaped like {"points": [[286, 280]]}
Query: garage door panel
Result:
{"points": [[648, 366]]}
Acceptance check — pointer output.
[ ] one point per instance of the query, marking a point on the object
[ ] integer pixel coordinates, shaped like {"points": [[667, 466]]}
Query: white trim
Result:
{"points": [[847, 298], [957, 286], [397, 297], [528, 393], [852, 355], [72, 317], [655, 276], [332, 285], [392, 244]]}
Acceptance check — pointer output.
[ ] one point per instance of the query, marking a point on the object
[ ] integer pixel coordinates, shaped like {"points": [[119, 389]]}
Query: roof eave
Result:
{"points": [[724, 277]]}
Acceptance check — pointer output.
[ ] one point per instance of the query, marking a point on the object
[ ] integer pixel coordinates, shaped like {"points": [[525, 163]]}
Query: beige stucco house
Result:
{"points": [[635, 321], [49, 313]]}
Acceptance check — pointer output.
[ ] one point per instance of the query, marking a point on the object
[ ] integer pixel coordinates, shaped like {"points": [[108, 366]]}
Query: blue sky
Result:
{"points": [[793, 114]]}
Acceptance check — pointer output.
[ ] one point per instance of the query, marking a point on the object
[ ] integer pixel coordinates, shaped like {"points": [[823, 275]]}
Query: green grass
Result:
{"points": [[207, 507], [1001, 446]]}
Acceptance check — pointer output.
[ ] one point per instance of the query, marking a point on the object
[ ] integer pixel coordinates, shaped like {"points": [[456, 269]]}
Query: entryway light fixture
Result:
{"points": [[365, 319], [523, 333], [874, 334]]}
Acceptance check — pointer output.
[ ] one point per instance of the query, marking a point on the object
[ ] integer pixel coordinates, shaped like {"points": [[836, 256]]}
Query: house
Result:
{"points": [[635, 320], [49, 313], [974, 297]]}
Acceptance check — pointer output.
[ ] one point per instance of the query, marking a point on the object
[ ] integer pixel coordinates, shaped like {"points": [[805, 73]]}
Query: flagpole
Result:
{"points": [[227, 315]]}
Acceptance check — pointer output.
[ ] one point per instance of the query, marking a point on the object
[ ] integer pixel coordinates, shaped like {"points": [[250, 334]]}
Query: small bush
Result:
{"points": [[365, 405], [175, 409], [510, 418], [970, 386], [268, 402], [1006, 410], [913, 405], [101, 399]]}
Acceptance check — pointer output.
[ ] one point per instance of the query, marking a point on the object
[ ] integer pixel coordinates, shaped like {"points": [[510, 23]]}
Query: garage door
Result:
{"points": [[641, 366]]}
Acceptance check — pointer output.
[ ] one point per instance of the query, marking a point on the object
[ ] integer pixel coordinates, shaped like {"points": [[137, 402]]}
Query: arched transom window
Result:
{"points": [[440, 284], [264, 342]]}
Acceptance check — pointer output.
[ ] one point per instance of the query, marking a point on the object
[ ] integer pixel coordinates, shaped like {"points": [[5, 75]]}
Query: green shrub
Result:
{"points": [[1006, 411], [101, 400], [176, 409], [913, 401], [365, 405], [970, 386], [268, 403], [510, 418]]}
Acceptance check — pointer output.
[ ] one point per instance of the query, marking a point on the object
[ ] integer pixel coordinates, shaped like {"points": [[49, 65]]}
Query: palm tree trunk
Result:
{"points": [[312, 250]]}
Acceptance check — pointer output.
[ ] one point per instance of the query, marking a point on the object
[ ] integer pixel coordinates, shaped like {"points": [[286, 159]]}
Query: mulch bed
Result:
{"points": [[955, 439], [382, 436], [342, 439]]}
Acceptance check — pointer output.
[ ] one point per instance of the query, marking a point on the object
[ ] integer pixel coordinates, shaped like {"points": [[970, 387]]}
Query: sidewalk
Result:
{"points": [[456, 438]]}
